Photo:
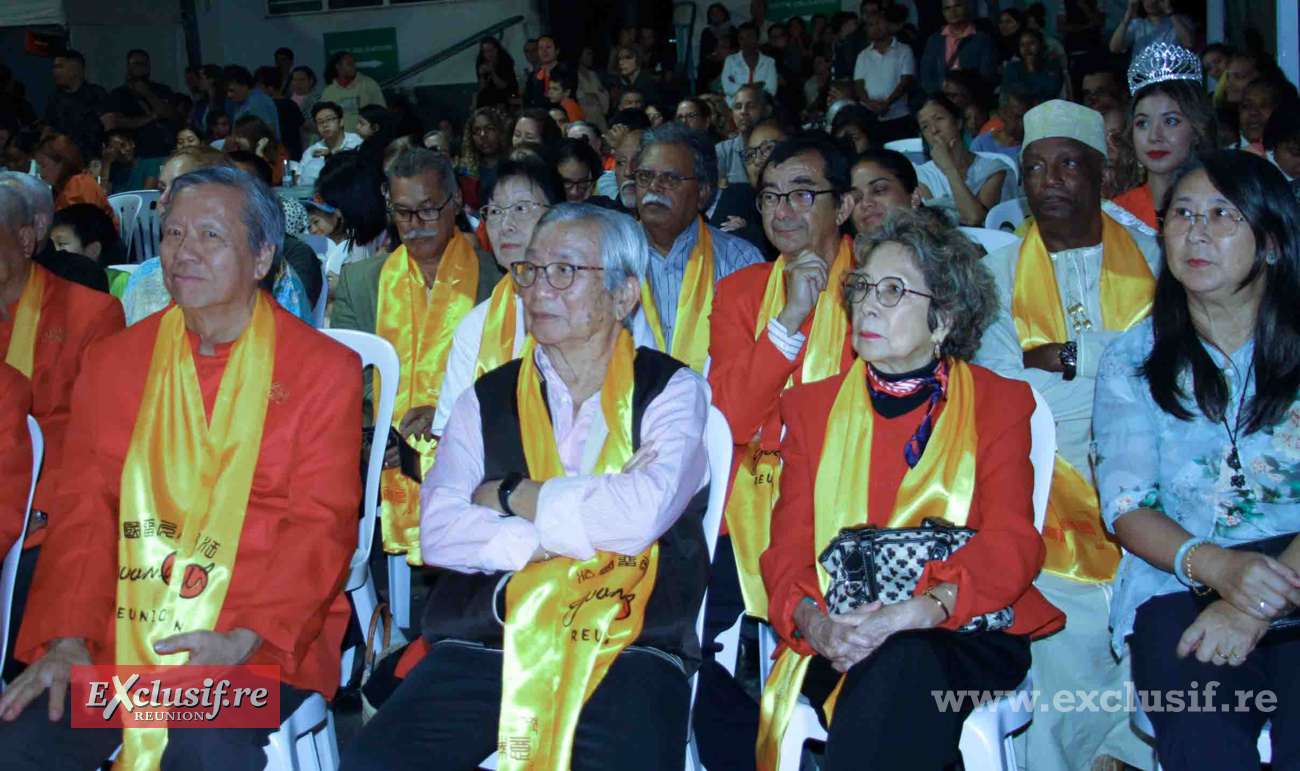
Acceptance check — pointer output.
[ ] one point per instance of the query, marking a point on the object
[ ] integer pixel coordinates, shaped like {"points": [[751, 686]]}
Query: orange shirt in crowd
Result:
{"points": [[993, 124], [572, 109], [82, 188], [1139, 203], [747, 375], [72, 318], [15, 454], [300, 529], [994, 570]]}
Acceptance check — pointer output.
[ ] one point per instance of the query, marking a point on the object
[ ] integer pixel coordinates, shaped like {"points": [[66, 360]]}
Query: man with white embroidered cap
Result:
{"points": [[1075, 282]]}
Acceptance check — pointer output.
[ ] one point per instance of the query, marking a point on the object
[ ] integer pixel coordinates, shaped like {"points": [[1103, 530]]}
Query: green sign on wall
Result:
{"points": [[374, 49], [780, 10]]}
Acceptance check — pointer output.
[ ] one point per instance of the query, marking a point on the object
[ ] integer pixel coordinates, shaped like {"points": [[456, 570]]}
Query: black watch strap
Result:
{"points": [[507, 487], [1069, 357]]}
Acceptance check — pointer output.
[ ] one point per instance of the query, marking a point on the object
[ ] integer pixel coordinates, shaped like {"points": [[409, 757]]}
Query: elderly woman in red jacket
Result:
{"points": [[911, 431]]}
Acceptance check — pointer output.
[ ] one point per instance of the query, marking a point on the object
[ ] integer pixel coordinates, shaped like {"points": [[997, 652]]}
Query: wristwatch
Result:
{"points": [[1069, 356], [506, 487]]}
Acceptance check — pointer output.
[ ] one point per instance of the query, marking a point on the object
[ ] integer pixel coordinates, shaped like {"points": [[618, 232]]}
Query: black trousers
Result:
{"points": [[888, 714], [726, 718], [22, 584], [445, 715], [33, 743], [1213, 738]]}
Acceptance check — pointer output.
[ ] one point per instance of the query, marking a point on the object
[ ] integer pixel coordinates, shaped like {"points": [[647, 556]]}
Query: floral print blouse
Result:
{"points": [[1146, 458]]}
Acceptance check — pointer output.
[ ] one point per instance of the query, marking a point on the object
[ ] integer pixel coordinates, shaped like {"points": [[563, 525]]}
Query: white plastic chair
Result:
{"points": [[991, 240], [1264, 746], [308, 737], [148, 230], [717, 443], [1007, 215], [127, 206], [985, 742], [910, 145], [9, 572]]}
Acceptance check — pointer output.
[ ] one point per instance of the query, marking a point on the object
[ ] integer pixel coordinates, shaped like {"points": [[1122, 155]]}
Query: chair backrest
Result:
{"points": [[718, 447], [318, 244], [126, 267], [1042, 454], [909, 145], [148, 229], [9, 572], [127, 206], [991, 240], [377, 352], [1007, 215]]}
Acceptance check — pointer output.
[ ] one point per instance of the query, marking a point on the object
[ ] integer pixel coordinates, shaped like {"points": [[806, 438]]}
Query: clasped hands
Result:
{"points": [[1254, 589], [847, 638]]}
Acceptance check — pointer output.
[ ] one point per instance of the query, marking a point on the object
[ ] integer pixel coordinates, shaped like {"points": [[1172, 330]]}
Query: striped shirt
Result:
{"points": [[730, 254]]}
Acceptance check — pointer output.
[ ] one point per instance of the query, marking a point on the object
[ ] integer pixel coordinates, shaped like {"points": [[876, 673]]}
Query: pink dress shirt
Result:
{"points": [[577, 514]]}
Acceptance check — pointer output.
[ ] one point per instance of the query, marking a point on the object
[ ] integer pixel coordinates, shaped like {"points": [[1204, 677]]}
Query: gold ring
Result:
{"points": [[1234, 657]]}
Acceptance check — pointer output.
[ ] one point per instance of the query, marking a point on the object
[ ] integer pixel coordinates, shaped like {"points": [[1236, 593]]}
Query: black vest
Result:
{"points": [[461, 606]]}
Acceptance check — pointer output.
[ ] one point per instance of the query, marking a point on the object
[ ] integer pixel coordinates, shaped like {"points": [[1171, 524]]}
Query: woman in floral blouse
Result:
{"points": [[1198, 440]]}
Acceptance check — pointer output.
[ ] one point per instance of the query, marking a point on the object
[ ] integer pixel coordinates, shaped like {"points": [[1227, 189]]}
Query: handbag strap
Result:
{"points": [[381, 613]]}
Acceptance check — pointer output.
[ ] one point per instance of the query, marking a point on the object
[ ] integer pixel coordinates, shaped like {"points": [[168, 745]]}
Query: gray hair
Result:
{"points": [[583, 126], [40, 201], [624, 250], [962, 287], [14, 211], [262, 213], [415, 161], [704, 154]]}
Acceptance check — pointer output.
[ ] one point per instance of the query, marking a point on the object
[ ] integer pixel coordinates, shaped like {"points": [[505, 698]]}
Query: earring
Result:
{"points": [[1271, 258], [938, 350]]}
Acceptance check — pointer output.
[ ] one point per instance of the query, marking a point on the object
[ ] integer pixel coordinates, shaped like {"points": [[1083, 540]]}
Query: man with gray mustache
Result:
{"points": [[676, 175]]}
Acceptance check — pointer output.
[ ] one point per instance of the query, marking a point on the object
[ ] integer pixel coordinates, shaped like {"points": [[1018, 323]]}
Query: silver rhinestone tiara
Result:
{"points": [[1160, 62]]}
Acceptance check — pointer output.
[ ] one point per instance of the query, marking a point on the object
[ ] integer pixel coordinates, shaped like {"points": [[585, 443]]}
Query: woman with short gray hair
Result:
{"points": [[911, 442]]}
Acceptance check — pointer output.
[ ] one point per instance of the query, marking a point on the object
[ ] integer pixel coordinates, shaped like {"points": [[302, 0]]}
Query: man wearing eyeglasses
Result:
{"points": [[675, 171], [750, 105], [328, 118], [1074, 284], [773, 325], [414, 297]]}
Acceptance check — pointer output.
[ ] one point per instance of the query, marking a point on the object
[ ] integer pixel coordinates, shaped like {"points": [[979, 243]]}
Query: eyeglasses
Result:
{"points": [[521, 209], [889, 290], [759, 153], [799, 200], [685, 116], [671, 180], [1220, 221], [559, 275], [427, 214], [576, 185]]}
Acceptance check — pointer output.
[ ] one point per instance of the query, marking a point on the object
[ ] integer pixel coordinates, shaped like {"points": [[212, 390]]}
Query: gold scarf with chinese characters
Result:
{"points": [[941, 485], [758, 477], [27, 317], [420, 325], [185, 488], [1078, 546], [694, 304], [567, 619]]}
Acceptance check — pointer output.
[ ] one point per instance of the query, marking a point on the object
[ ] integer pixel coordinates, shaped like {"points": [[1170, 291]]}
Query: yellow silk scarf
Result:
{"points": [[757, 483], [27, 317], [567, 619], [942, 485], [1078, 546], [498, 343], [420, 326], [185, 488], [694, 304]]}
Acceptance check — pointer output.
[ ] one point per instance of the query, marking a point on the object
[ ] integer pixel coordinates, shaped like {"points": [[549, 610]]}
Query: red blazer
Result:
{"points": [[747, 375], [299, 532], [995, 569], [15, 454], [72, 317]]}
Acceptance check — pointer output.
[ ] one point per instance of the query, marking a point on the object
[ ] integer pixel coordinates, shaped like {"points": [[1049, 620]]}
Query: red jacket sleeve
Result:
{"points": [[789, 565], [15, 454], [747, 375], [998, 566]]}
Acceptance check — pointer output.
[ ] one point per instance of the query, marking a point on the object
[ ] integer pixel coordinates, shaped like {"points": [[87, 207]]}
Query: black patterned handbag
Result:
{"points": [[870, 563]]}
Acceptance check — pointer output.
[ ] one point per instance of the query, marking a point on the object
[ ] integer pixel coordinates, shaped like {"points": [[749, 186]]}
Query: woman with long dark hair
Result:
{"points": [[1198, 442], [495, 66], [484, 145], [377, 127], [956, 178]]}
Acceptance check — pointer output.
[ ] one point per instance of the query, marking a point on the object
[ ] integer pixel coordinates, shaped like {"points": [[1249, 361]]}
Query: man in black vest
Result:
{"points": [[495, 530]]}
